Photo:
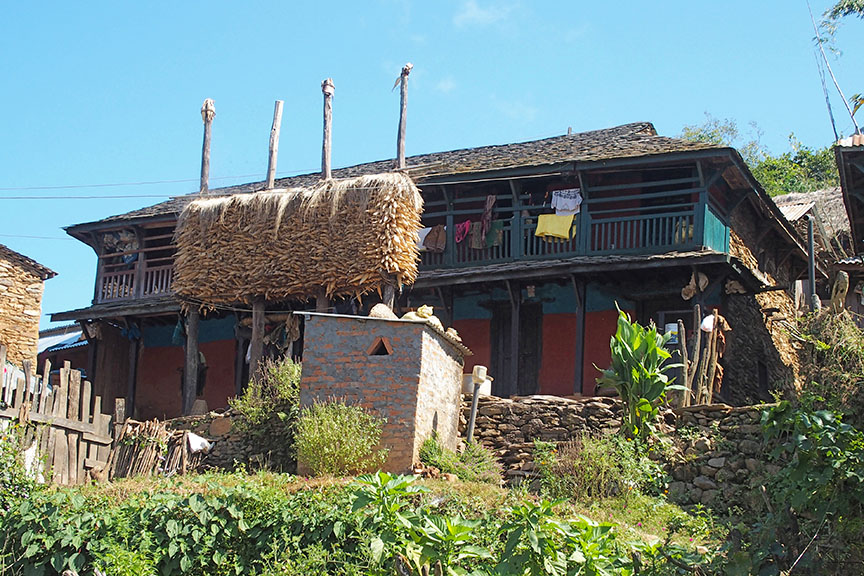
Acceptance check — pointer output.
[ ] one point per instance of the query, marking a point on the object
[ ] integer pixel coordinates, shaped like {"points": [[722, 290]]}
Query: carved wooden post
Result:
{"points": [[190, 381], [256, 347], [328, 89], [208, 112], [403, 114], [274, 145]]}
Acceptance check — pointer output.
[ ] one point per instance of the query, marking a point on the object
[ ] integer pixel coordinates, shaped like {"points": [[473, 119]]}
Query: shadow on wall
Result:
{"points": [[759, 354]]}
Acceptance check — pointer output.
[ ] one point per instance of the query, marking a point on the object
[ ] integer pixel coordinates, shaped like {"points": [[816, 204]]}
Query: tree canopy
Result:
{"points": [[799, 169]]}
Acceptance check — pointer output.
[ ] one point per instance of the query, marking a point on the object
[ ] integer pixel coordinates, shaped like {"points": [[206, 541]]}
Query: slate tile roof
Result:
{"points": [[38, 269], [634, 140]]}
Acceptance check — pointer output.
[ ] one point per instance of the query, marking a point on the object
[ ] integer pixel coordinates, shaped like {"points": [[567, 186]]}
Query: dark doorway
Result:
{"points": [[530, 345]]}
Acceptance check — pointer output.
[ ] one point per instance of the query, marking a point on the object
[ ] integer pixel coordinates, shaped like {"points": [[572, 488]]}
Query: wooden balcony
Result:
{"points": [[593, 234], [134, 283]]}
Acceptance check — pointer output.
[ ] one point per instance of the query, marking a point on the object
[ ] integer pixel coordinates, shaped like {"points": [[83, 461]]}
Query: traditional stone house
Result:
{"points": [[21, 284], [537, 307]]}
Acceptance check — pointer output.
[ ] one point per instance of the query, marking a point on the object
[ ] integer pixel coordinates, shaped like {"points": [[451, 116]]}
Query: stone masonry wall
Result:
{"points": [[20, 308], [718, 457], [235, 442]]}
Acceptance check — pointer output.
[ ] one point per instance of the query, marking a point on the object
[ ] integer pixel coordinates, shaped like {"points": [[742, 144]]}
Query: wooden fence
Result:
{"points": [[65, 433]]}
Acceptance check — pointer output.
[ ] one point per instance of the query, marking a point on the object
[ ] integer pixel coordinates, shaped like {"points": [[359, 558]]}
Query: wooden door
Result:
{"points": [[530, 347]]}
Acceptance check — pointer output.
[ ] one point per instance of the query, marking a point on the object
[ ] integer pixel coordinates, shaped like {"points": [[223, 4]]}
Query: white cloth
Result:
{"points": [[198, 444], [567, 201], [708, 323], [423, 232]]}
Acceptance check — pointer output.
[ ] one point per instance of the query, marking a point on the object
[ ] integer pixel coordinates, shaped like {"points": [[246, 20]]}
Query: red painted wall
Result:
{"points": [[476, 335], [557, 366], [599, 328], [158, 393]]}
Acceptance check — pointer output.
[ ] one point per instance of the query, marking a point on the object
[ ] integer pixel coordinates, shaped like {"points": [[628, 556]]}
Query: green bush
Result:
{"points": [[474, 464], [335, 438], [264, 525], [596, 467], [832, 362], [275, 391], [15, 483]]}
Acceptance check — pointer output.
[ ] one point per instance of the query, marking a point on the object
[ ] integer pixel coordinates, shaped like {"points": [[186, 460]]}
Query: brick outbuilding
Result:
{"points": [[403, 370], [21, 283]]}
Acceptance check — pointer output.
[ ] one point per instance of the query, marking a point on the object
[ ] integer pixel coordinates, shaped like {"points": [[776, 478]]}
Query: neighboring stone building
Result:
{"points": [[21, 283], [403, 370]]}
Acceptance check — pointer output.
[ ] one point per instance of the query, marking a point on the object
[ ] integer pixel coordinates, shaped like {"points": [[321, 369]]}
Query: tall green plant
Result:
{"points": [[638, 373]]}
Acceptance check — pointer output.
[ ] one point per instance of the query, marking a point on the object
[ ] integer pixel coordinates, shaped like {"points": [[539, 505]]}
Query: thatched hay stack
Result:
{"points": [[347, 236]]}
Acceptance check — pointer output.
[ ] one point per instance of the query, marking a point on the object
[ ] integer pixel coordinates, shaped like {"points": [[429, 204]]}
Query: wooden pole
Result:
{"points": [[274, 144], [208, 112], [515, 293], [403, 115], [190, 380], [328, 89], [322, 303], [389, 296], [256, 350], [685, 369]]}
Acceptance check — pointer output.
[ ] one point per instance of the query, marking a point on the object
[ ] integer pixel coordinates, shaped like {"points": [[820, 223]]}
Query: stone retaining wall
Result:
{"points": [[267, 445], [717, 455]]}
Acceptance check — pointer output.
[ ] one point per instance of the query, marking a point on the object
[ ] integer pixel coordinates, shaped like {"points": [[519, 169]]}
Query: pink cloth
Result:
{"points": [[462, 230]]}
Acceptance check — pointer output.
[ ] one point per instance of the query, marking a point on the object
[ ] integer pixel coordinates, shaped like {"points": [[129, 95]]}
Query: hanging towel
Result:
{"points": [[495, 234], [486, 219], [554, 226], [567, 201], [462, 230], [436, 239], [478, 242], [421, 238]]}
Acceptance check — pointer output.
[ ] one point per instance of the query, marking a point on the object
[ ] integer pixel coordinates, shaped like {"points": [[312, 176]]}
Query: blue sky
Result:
{"points": [[110, 92]]}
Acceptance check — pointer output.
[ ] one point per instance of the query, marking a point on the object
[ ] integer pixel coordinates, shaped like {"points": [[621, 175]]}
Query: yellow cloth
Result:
{"points": [[554, 226]]}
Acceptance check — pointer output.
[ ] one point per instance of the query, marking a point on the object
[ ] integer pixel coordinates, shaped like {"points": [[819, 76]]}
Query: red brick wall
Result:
{"points": [[337, 363], [557, 365]]}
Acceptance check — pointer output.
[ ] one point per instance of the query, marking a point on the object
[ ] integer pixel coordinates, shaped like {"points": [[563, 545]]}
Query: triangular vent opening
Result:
{"points": [[381, 347]]}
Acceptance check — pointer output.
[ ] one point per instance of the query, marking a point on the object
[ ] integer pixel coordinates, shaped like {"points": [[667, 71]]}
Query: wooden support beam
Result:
{"points": [[132, 379], [322, 303], [256, 352], [274, 145], [208, 112], [579, 353], [389, 294], [190, 379], [327, 88], [403, 115], [515, 293]]}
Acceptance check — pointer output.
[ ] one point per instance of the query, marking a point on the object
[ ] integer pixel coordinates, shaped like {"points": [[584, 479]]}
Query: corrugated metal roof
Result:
{"points": [[793, 212], [58, 341]]}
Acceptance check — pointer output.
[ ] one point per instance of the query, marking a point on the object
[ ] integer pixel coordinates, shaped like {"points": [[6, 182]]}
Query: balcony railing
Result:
{"points": [[654, 232], [138, 282]]}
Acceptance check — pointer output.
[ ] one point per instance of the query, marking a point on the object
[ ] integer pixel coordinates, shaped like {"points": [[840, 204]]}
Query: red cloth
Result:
{"points": [[462, 230]]}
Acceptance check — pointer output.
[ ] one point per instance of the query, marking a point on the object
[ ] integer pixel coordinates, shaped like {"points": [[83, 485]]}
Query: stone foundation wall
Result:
{"points": [[267, 445], [20, 308], [717, 458]]}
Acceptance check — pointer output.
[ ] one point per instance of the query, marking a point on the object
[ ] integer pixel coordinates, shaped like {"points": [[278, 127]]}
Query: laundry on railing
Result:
{"points": [[550, 226]]}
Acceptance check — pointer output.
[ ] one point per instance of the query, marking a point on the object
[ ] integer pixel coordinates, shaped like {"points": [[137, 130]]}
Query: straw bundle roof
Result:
{"points": [[346, 236]]}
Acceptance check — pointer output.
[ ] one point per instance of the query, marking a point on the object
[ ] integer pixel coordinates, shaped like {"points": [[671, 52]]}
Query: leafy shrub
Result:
{"points": [[262, 524], [276, 390], [816, 518], [596, 467], [474, 464], [15, 482], [339, 439], [832, 361], [639, 363]]}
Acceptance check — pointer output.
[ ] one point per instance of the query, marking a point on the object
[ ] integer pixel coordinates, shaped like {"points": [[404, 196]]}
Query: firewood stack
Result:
{"points": [[348, 237]]}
